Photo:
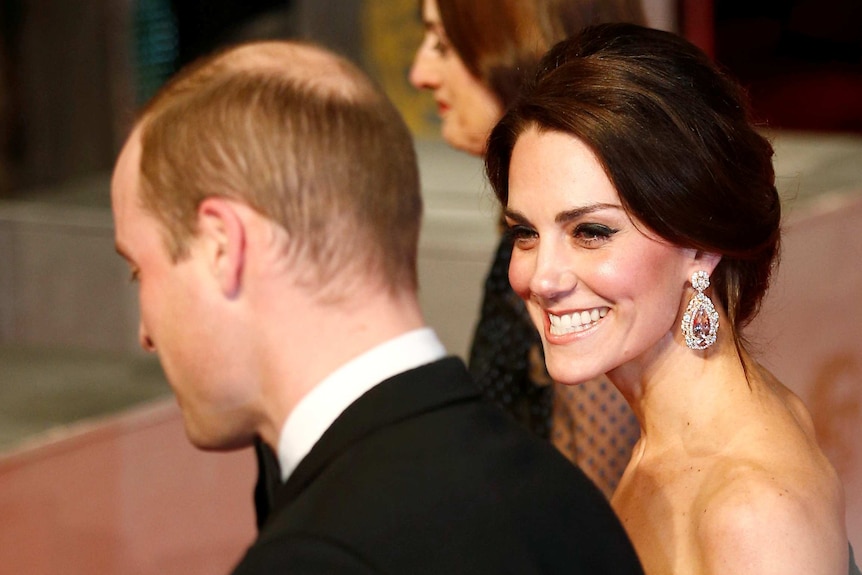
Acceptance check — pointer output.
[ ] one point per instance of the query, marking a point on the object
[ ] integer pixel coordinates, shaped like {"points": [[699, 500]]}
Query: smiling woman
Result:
{"points": [[632, 176], [600, 290]]}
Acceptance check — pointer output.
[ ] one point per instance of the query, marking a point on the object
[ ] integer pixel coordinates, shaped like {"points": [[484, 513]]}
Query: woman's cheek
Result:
{"points": [[519, 274]]}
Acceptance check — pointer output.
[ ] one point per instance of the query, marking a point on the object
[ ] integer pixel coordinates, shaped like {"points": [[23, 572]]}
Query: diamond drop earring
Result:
{"points": [[700, 320]]}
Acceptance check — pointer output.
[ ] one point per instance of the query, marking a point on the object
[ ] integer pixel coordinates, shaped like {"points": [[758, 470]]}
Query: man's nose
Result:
{"points": [[144, 339]]}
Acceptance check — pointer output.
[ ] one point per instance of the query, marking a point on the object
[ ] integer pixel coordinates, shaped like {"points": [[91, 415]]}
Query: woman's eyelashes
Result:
{"points": [[520, 234], [588, 235], [440, 46], [593, 235], [436, 41]]}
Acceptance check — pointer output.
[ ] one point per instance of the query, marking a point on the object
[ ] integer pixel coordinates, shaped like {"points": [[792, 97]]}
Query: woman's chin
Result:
{"points": [[567, 376], [475, 146]]}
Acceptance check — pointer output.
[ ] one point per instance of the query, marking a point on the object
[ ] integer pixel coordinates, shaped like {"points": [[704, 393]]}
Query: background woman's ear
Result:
{"points": [[222, 233]]}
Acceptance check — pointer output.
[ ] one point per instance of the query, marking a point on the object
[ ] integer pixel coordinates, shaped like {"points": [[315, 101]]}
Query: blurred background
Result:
{"points": [[95, 472], [73, 73]]}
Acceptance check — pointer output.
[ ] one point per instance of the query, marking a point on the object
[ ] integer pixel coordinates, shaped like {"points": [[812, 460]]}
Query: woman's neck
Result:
{"points": [[675, 392]]}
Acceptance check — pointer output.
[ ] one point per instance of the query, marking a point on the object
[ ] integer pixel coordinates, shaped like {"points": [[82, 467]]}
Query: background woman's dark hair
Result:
{"points": [[674, 136], [501, 41]]}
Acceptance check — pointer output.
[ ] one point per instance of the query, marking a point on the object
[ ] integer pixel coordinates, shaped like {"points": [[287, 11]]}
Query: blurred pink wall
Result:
{"points": [[124, 495], [810, 331]]}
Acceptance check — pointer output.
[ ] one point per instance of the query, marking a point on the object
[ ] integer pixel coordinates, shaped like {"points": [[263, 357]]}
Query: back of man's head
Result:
{"points": [[302, 137]]}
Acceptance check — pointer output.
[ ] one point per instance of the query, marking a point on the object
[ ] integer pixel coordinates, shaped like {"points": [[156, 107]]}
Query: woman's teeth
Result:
{"points": [[577, 321]]}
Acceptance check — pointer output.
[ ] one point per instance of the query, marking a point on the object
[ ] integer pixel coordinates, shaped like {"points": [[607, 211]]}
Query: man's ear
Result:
{"points": [[222, 234]]}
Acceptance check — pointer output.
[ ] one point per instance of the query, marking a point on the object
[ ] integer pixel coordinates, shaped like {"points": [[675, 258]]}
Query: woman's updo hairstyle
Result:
{"points": [[675, 137]]}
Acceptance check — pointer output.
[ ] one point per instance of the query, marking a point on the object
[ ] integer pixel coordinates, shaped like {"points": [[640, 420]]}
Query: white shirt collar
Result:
{"points": [[320, 407]]}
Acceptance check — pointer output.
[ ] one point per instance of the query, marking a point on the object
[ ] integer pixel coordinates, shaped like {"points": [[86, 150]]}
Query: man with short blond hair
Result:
{"points": [[268, 204]]}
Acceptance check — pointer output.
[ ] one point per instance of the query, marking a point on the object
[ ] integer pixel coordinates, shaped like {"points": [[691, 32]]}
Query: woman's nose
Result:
{"points": [[553, 276], [423, 73]]}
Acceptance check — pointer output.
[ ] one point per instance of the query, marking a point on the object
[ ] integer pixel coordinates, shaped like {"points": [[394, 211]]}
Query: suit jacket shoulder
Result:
{"points": [[420, 475]]}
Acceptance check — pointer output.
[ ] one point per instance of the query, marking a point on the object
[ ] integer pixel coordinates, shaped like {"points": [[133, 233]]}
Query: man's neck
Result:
{"points": [[313, 339]]}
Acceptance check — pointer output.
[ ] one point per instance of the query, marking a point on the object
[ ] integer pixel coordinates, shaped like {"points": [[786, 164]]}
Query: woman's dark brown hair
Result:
{"points": [[675, 137], [501, 41]]}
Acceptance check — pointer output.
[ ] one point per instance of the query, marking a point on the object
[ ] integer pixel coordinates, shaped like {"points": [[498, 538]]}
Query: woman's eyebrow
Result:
{"points": [[432, 26], [577, 213], [517, 217], [567, 215]]}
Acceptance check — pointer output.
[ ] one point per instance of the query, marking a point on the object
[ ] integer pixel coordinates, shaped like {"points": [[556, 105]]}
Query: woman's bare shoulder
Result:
{"points": [[776, 519]]}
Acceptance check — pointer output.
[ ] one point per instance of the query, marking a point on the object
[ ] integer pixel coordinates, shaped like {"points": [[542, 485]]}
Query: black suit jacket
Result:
{"points": [[421, 475]]}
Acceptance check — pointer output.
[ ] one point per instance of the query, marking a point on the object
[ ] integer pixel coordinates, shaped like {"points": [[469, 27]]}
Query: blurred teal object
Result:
{"points": [[156, 45]]}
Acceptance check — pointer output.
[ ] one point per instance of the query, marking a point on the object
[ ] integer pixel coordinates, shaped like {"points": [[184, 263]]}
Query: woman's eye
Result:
{"points": [[439, 45], [520, 235], [593, 235]]}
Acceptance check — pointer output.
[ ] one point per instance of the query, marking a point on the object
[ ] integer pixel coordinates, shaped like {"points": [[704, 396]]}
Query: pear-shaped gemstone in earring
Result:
{"points": [[700, 323]]}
